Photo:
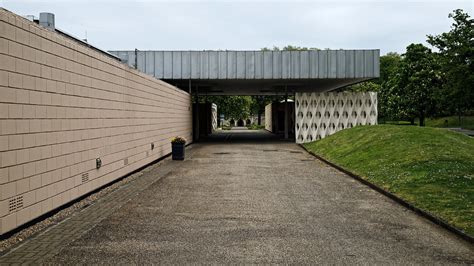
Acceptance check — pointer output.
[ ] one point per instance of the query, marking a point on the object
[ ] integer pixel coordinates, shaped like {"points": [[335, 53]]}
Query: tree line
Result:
{"points": [[425, 82], [418, 84]]}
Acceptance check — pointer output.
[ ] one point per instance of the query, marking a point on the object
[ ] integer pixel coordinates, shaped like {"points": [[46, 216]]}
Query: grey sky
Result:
{"points": [[247, 25]]}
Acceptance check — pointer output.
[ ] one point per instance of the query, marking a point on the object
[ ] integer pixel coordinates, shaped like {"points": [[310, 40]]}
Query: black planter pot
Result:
{"points": [[177, 151]]}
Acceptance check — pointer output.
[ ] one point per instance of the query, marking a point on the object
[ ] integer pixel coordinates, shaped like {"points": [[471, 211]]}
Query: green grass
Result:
{"points": [[401, 123], [254, 126], [453, 121], [431, 168]]}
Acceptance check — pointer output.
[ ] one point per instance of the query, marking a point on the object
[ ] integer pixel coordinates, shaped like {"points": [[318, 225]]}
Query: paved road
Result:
{"points": [[261, 202]]}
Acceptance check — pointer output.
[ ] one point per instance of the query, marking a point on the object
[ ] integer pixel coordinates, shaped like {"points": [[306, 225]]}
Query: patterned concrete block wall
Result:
{"points": [[214, 116], [62, 105], [321, 114]]}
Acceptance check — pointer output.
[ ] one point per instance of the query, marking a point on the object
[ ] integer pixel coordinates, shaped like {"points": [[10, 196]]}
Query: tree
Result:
{"points": [[456, 56], [364, 86], [290, 47], [258, 105], [414, 90], [388, 66], [233, 107]]}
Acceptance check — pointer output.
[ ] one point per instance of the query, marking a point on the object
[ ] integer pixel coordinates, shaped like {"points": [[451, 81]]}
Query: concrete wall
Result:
{"points": [[321, 114], [62, 105], [268, 117], [275, 118]]}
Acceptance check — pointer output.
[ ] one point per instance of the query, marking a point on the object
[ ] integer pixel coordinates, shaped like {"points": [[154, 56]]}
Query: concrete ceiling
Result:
{"points": [[261, 87]]}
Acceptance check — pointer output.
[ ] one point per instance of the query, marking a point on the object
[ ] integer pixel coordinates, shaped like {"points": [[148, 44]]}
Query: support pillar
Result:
{"points": [[196, 125], [192, 110], [286, 112]]}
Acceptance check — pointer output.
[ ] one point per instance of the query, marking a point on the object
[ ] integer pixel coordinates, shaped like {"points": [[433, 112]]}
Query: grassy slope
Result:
{"points": [[429, 167]]}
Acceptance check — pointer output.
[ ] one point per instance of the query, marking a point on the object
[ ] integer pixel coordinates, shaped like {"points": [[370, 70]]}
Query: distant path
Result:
{"points": [[468, 132], [239, 128], [251, 202]]}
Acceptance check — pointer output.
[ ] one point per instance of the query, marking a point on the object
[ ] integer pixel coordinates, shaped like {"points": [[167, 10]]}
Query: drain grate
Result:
{"points": [[15, 203], [85, 177]]}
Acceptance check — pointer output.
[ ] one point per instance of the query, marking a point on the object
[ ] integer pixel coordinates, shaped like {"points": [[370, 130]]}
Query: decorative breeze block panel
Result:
{"points": [[321, 114], [214, 116]]}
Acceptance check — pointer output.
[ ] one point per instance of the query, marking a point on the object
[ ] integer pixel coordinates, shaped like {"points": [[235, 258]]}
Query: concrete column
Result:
{"points": [[196, 137], [192, 110], [286, 112]]}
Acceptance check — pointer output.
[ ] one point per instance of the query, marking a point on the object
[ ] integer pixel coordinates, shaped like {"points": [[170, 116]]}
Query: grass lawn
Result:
{"points": [[431, 168], [453, 121], [467, 122]]}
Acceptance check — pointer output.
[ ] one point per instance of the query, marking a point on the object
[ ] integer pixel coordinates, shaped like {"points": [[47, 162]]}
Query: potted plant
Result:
{"points": [[177, 148]]}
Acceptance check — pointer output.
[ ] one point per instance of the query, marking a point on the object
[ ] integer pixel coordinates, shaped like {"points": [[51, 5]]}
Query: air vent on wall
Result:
{"points": [[15, 203], [147, 154], [125, 161], [85, 177]]}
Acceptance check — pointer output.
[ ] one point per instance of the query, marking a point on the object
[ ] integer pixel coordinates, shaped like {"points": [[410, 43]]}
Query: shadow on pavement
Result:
{"points": [[244, 135]]}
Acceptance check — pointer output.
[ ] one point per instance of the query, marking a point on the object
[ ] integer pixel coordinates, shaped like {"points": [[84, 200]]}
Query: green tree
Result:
{"points": [[364, 86], [258, 105], [233, 107], [414, 89], [456, 56], [389, 65], [290, 47]]}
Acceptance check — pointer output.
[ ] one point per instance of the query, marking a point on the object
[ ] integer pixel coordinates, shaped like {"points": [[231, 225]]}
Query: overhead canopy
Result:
{"points": [[256, 72]]}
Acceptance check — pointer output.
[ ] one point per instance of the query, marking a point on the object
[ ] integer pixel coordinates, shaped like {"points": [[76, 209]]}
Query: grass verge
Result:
{"points": [[431, 168]]}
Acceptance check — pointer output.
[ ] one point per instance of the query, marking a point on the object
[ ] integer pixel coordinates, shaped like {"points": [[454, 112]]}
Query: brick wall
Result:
{"points": [[62, 105]]}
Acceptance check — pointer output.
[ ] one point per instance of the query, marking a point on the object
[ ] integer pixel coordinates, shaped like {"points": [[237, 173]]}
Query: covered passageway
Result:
{"points": [[310, 77]]}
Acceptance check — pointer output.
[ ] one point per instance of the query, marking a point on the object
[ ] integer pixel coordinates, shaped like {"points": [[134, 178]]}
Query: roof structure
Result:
{"points": [[257, 72]]}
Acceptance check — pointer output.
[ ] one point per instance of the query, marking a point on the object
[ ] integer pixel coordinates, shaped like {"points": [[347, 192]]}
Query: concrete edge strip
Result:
{"points": [[397, 199]]}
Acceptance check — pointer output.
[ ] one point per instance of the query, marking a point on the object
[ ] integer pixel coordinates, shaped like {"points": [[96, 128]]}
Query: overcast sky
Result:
{"points": [[247, 25]]}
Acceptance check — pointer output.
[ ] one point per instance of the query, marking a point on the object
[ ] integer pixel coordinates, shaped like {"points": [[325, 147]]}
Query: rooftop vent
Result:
{"points": [[30, 18], [47, 20]]}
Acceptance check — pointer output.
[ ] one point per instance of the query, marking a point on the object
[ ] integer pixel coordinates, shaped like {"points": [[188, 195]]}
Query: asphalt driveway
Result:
{"points": [[248, 201]]}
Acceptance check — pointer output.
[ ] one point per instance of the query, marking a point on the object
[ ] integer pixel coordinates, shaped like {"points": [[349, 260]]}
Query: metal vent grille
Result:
{"points": [[15, 203], [125, 161], [85, 177]]}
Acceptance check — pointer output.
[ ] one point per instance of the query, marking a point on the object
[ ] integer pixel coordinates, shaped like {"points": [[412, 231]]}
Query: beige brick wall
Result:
{"points": [[62, 105]]}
